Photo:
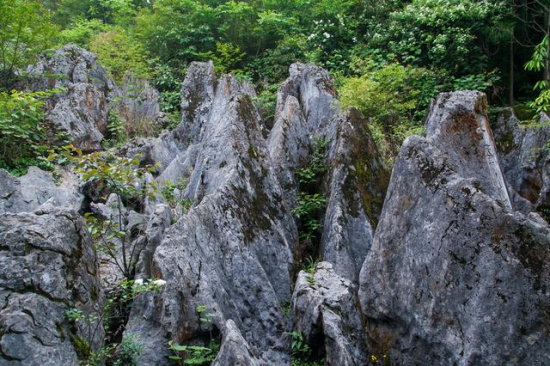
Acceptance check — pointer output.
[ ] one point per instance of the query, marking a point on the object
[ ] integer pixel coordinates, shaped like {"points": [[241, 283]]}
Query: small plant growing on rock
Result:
{"points": [[173, 194], [197, 355], [122, 177], [307, 210], [302, 353]]}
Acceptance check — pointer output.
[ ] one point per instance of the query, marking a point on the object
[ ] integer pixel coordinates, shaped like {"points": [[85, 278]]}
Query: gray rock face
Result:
{"points": [[27, 193], [324, 307], [453, 275], [232, 251], [81, 111], [47, 266], [358, 183], [356, 179], [138, 105], [525, 160]]}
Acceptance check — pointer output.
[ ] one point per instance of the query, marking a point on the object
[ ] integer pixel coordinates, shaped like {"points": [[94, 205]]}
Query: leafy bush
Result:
{"points": [[120, 54], [81, 32], [122, 177], [128, 352], [394, 98], [23, 136], [307, 210], [25, 31]]}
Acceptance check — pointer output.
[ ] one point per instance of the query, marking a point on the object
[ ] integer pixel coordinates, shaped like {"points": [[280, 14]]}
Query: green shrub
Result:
{"points": [[23, 136], [81, 32], [119, 53]]}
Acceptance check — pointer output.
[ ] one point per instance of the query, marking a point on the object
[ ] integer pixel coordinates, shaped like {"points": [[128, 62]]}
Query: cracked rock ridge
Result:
{"points": [[454, 275]]}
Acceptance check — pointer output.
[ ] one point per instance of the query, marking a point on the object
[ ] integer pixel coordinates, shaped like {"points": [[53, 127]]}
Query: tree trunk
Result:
{"points": [[511, 81]]}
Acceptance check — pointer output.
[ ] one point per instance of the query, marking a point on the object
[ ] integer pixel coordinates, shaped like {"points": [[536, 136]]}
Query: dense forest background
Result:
{"points": [[389, 57]]}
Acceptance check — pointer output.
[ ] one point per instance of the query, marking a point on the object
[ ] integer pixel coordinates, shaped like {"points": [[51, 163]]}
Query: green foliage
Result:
{"points": [[23, 135], [308, 208], [389, 93], [266, 102], [128, 352], [441, 34], [228, 58], [173, 194], [537, 63], [299, 346], [310, 204], [310, 268], [123, 177], [116, 133], [316, 168], [302, 354], [81, 32], [197, 355], [194, 355], [25, 30], [120, 54], [394, 98]]}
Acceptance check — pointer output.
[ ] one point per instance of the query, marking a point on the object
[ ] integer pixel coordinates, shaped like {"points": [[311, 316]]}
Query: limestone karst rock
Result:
{"points": [[81, 108], [137, 103], [524, 158], [356, 179], [454, 276], [325, 311], [232, 251], [27, 193], [447, 272], [47, 267]]}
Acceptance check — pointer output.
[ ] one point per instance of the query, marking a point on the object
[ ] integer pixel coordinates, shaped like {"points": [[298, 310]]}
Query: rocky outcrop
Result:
{"points": [[356, 179], [358, 183], [232, 251], [47, 266], [138, 105], [326, 313], [27, 193], [454, 276], [524, 157], [80, 109]]}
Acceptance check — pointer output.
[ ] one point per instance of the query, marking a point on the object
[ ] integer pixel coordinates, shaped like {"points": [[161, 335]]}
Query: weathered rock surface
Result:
{"points": [[454, 276], [47, 266], [27, 193], [138, 105], [356, 180], [358, 183], [525, 160], [232, 251], [81, 109], [326, 313]]}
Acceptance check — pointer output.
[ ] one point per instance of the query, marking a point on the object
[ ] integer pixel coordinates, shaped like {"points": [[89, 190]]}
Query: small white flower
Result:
{"points": [[327, 35], [138, 282], [159, 283]]}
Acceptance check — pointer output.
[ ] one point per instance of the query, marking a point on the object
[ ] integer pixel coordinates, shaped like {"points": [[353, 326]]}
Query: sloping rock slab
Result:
{"points": [[81, 109], [524, 157], [454, 276]]}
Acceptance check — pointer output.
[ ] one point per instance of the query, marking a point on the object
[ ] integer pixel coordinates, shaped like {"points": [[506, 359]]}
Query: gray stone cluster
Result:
{"points": [[445, 263]]}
